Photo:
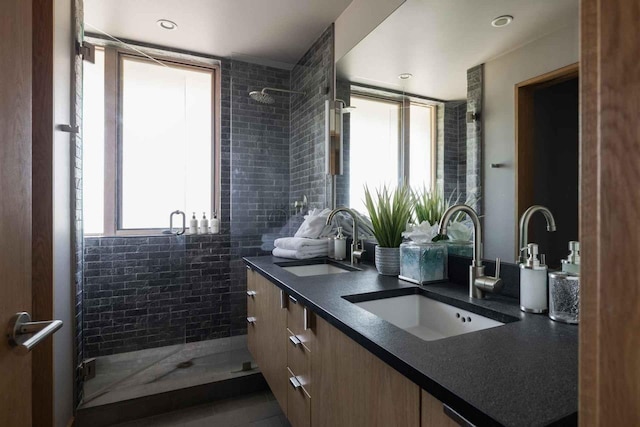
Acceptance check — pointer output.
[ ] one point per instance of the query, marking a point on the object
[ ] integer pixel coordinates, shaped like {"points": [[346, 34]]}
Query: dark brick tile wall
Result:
{"points": [[143, 292], [454, 149], [475, 78], [313, 74]]}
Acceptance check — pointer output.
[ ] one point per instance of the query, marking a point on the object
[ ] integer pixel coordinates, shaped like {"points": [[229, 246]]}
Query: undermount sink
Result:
{"points": [[425, 317], [318, 267]]}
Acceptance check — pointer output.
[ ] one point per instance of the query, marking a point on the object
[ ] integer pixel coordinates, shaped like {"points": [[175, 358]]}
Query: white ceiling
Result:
{"points": [[275, 32], [437, 41]]}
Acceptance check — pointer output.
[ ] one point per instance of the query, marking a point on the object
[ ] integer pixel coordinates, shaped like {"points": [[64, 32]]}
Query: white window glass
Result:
{"points": [[374, 143], [93, 145], [166, 157], [420, 143]]}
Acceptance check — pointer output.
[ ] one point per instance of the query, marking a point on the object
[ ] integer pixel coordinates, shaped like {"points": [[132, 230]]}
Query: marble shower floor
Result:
{"points": [[135, 374]]}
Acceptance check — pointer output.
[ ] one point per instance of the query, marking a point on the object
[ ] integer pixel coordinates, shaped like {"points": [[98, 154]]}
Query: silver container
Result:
{"points": [[564, 297]]}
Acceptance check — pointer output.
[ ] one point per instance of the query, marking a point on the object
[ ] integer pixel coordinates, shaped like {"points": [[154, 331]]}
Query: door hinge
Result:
{"points": [[88, 369], [87, 51]]}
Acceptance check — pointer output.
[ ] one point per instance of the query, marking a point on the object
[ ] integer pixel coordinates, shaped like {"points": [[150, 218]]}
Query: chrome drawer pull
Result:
{"points": [[293, 300], [251, 293], [295, 383], [295, 340], [283, 299], [306, 323], [251, 320]]}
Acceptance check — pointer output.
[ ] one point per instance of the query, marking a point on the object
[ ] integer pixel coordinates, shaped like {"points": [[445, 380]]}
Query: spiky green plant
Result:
{"points": [[390, 211], [428, 205]]}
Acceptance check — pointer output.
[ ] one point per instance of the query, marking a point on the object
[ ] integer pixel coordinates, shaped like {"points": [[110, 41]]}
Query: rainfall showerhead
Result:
{"points": [[264, 98]]}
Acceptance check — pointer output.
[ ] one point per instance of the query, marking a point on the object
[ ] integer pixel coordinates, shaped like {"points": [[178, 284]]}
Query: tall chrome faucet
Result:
{"points": [[478, 282], [356, 247], [524, 227]]}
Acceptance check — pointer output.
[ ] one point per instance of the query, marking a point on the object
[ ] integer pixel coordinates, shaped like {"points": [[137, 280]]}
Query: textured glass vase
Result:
{"points": [[388, 261], [423, 262]]}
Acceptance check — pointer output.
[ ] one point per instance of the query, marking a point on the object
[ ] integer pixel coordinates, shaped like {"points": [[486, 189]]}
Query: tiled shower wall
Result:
{"points": [[313, 75], [475, 78], [454, 156]]}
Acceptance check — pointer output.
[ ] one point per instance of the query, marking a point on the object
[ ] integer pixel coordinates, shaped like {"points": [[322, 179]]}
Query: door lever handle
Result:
{"points": [[25, 334]]}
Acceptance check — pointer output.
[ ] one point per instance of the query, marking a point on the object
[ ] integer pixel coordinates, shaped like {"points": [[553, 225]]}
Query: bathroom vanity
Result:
{"points": [[333, 357]]}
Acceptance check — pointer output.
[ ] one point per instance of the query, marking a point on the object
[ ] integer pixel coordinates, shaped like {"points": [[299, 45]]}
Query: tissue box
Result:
{"points": [[423, 262], [459, 248]]}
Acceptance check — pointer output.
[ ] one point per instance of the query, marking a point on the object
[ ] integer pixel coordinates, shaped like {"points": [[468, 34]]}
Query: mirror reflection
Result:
{"points": [[477, 101]]}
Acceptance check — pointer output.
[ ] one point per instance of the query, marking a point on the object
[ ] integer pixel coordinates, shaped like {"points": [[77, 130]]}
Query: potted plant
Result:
{"points": [[390, 211]]}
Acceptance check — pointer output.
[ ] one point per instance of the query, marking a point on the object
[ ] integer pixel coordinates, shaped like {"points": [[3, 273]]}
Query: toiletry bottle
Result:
{"points": [[533, 282], [564, 288], [204, 224], [340, 246], [193, 225], [215, 223]]}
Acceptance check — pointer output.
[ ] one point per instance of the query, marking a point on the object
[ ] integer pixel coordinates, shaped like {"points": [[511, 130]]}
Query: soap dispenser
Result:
{"points": [[204, 224], [340, 246], [215, 223], [564, 288], [193, 225], [533, 282]]}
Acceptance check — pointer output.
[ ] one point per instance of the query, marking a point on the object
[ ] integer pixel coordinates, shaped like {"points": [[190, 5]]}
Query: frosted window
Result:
{"points": [[166, 152], [93, 145], [420, 146], [374, 144]]}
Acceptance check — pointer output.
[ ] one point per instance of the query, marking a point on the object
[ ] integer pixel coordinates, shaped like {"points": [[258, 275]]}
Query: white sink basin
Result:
{"points": [[426, 318], [315, 270]]}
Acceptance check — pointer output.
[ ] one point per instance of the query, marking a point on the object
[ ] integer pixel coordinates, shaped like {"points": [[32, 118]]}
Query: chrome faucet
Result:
{"points": [[356, 247], [478, 282], [524, 227]]}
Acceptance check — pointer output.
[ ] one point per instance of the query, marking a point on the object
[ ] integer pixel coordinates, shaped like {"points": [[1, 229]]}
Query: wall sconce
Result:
{"points": [[333, 135], [472, 116]]}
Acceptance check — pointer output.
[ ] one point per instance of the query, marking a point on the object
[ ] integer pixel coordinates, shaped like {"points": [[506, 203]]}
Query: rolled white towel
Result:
{"points": [[314, 224], [288, 253], [296, 243]]}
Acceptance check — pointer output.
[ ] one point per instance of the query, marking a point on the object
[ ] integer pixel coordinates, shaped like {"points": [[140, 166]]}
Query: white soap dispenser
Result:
{"points": [[533, 282], [204, 224], [215, 223], [193, 225]]}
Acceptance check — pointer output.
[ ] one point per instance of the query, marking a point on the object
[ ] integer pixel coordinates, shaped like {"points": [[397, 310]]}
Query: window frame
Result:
{"points": [[404, 127], [114, 59]]}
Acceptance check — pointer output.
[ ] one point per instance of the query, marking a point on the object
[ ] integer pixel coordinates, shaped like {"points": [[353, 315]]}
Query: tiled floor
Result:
{"points": [[141, 373], [253, 410]]}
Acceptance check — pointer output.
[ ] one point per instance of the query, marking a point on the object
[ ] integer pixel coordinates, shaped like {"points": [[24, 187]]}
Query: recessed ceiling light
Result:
{"points": [[405, 76], [166, 24], [502, 21]]}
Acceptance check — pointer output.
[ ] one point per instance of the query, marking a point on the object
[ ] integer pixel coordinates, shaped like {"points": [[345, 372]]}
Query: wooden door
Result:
{"points": [[15, 203], [609, 214]]}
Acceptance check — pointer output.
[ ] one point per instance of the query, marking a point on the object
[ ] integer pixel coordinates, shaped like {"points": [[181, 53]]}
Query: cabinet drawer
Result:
{"points": [[252, 314], [298, 325], [299, 361], [298, 403]]}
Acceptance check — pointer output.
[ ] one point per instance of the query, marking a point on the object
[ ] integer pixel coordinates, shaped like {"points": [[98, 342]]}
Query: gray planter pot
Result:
{"points": [[388, 261]]}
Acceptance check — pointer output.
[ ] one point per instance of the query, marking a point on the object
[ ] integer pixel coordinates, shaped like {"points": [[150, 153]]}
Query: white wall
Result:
{"points": [[500, 77], [358, 20], [62, 278]]}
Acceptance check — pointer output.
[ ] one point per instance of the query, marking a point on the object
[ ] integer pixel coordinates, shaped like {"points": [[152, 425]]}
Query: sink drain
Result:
{"points": [[184, 365]]}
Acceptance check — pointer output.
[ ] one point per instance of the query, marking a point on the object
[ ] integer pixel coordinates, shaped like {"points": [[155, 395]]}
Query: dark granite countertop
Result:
{"points": [[524, 373]]}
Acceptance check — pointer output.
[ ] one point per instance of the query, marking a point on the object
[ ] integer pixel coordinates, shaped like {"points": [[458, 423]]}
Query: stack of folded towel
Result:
{"points": [[300, 247]]}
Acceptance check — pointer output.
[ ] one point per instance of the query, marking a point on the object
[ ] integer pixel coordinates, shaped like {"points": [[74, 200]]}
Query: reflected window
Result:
{"points": [[391, 142]]}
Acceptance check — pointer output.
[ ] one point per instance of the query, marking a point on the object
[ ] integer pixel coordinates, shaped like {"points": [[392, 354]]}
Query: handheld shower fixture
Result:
{"points": [[263, 97]]}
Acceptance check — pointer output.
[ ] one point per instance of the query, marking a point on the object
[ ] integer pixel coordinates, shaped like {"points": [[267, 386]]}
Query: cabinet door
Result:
{"points": [[352, 387], [271, 339], [252, 315], [433, 414]]}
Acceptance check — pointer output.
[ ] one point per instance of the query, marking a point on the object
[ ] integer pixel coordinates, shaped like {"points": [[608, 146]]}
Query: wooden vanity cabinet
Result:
{"points": [[321, 377], [267, 321]]}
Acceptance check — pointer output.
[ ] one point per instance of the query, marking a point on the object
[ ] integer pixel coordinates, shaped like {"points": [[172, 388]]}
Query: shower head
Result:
{"points": [[264, 98]]}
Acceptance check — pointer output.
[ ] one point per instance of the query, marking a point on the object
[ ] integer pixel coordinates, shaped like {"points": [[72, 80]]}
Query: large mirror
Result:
{"points": [[477, 100]]}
